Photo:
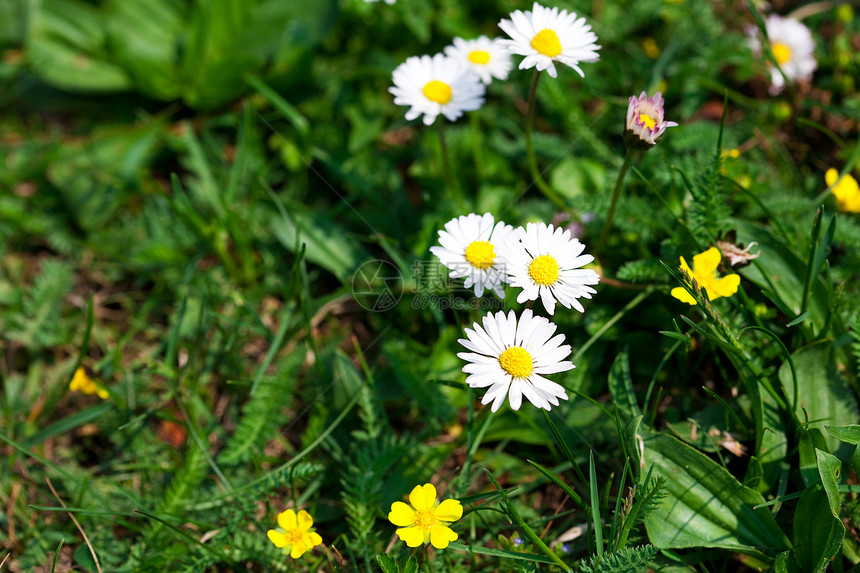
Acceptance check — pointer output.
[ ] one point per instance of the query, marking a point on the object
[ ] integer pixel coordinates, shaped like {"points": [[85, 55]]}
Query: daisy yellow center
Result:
{"points": [[781, 52], [480, 254], [517, 362], [544, 270], [479, 57], [424, 519], [546, 42], [647, 120], [437, 91]]}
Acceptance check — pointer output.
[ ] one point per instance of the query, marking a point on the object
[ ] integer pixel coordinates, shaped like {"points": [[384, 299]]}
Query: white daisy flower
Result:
{"points": [[645, 120], [434, 85], [469, 245], [510, 357], [487, 58], [792, 45], [546, 262], [547, 35]]}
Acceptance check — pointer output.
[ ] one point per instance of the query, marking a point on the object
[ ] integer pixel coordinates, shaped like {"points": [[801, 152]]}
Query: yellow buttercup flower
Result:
{"points": [[704, 271], [426, 520], [81, 382], [295, 533], [845, 190]]}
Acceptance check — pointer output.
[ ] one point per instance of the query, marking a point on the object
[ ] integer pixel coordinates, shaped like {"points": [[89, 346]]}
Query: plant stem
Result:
{"points": [[450, 181], [544, 187], [616, 193]]}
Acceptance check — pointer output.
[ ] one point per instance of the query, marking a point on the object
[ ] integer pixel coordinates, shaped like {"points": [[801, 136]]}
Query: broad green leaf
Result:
{"points": [[785, 563], [705, 506], [829, 468], [822, 392], [621, 385], [808, 441], [12, 21], [228, 39], [574, 176], [326, 244], [849, 434], [67, 47], [774, 444], [855, 460], [817, 532], [144, 38]]}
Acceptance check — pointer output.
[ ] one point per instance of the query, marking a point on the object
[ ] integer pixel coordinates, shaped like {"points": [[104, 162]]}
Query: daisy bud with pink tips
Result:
{"points": [[646, 122]]}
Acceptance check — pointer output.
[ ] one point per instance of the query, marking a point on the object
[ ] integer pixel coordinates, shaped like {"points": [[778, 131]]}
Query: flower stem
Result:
{"points": [[616, 193], [544, 187], [450, 180]]}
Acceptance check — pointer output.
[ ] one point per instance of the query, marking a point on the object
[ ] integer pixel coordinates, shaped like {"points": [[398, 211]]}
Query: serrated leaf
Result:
{"points": [[387, 564]]}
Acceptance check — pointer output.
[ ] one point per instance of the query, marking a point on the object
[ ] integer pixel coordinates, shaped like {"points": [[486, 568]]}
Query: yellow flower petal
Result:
{"points": [[423, 497], [277, 538], [287, 519], [686, 267], [681, 294], [314, 539], [831, 176], [441, 536], [705, 264], [305, 521], [412, 536], [298, 550], [401, 514], [726, 286], [449, 510]]}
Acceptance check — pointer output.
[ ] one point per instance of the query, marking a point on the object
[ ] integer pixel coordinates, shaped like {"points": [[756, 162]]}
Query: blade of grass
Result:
{"points": [[595, 510], [523, 526]]}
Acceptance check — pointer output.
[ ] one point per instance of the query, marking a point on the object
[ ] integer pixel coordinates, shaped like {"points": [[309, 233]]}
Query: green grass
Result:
{"points": [[188, 192]]}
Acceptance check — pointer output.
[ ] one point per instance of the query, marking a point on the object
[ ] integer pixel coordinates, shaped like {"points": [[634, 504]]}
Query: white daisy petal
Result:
{"points": [[510, 355], [436, 85], [547, 35], [485, 57], [469, 247], [544, 263], [792, 45]]}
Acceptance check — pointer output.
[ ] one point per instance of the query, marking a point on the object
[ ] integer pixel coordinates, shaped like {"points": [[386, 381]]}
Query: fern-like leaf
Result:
{"points": [[263, 413], [627, 560]]}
